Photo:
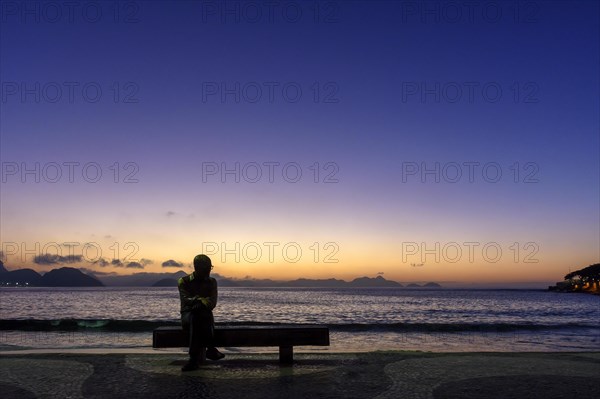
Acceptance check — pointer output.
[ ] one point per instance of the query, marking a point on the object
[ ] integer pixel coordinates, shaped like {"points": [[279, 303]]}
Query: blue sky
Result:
{"points": [[384, 86]]}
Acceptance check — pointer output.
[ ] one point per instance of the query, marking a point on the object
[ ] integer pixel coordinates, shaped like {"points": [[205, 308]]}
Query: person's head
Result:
{"points": [[202, 265]]}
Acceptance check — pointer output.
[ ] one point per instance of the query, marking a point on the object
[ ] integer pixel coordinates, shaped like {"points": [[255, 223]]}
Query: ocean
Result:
{"points": [[360, 319]]}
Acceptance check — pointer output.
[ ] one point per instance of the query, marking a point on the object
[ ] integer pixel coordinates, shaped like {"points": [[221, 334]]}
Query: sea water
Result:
{"points": [[360, 319]]}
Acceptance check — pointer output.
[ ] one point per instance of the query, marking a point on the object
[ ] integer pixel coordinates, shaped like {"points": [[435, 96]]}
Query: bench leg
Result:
{"points": [[286, 354]]}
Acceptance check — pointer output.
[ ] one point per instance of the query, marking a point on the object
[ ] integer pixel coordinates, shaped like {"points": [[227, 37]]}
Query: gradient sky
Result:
{"points": [[378, 97]]}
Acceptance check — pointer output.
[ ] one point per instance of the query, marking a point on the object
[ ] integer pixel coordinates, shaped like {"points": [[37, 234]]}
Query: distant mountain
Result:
{"points": [[68, 277], [71, 277], [169, 280], [145, 279], [373, 282], [306, 282], [165, 282], [225, 281], [172, 281], [142, 279], [248, 282], [314, 283], [20, 277]]}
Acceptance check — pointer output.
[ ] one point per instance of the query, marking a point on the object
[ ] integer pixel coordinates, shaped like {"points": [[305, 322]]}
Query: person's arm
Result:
{"points": [[210, 301], [214, 293], [187, 300]]}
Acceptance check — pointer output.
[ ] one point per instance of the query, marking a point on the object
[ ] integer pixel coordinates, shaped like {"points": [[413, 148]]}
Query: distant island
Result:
{"points": [[68, 277], [165, 282], [369, 282], [585, 280], [72, 277], [360, 282]]}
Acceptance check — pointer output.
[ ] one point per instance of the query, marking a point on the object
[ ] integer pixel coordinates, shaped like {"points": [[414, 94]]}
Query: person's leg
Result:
{"points": [[212, 352], [198, 333], [191, 324]]}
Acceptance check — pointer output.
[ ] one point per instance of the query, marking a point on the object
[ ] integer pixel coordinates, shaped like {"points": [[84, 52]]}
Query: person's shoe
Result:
{"points": [[214, 354], [192, 364]]}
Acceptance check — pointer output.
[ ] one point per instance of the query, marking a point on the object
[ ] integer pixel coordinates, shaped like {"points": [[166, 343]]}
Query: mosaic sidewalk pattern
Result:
{"points": [[361, 375]]}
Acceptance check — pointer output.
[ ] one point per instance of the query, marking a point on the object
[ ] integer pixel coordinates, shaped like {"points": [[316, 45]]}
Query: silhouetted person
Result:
{"points": [[198, 295]]}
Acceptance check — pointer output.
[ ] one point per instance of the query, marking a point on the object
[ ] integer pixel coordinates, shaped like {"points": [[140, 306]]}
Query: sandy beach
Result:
{"points": [[395, 374]]}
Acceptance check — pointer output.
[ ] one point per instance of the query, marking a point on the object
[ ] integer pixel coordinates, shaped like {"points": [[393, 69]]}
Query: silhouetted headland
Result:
{"points": [[585, 280]]}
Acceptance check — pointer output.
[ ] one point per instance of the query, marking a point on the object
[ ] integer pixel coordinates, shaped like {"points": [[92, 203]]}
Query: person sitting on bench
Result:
{"points": [[198, 295]]}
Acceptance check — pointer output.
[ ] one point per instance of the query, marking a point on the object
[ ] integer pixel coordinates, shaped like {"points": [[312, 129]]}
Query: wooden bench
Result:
{"points": [[285, 337]]}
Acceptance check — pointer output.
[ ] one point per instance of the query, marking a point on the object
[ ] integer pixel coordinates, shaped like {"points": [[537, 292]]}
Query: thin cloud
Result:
{"points": [[53, 259], [117, 263], [146, 262], [135, 265], [101, 262]]}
